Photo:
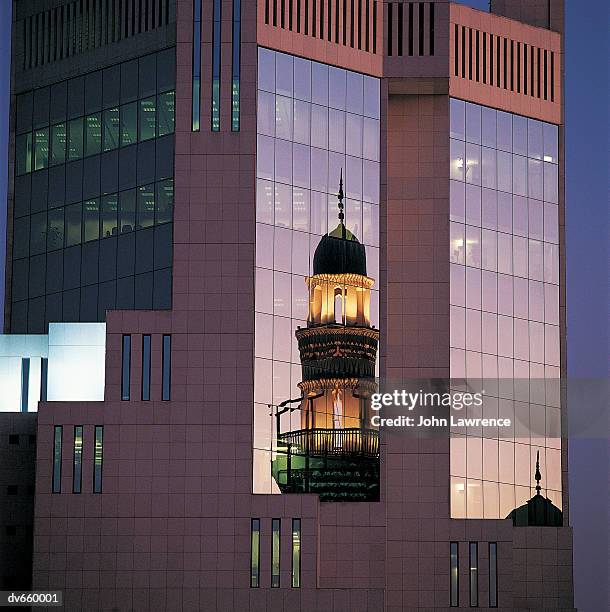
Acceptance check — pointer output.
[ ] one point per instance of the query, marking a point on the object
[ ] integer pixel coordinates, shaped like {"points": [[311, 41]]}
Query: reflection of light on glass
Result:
{"points": [[548, 158], [460, 162], [458, 243], [459, 486]]}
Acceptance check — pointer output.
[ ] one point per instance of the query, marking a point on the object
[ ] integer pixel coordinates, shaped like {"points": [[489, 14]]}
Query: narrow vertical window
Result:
{"points": [[275, 553], [389, 28], [552, 76], [463, 52], [236, 64], [296, 553], [431, 28], [421, 28], [456, 50], [77, 459], [538, 64], [166, 373], [493, 575], [546, 75], [474, 574], [491, 59], [470, 54], [454, 574], [374, 26], [98, 458], [146, 367], [498, 59], [477, 55], [56, 486], [44, 376], [411, 29], [255, 552], [518, 67], [512, 65], [126, 368], [505, 63], [485, 57], [25, 383], [525, 77], [196, 94], [216, 67], [400, 27]]}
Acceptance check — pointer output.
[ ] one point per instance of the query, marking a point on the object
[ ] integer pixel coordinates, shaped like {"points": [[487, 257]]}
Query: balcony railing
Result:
{"points": [[331, 442]]}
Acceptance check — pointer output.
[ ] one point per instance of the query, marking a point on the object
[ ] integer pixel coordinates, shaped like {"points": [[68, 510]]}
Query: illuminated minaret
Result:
{"points": [[338, 351]]}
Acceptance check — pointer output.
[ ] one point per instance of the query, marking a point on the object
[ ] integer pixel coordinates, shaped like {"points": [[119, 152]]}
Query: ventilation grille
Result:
{"points": [[502, 62], [351, 23], [76, 27], [410, 28]]}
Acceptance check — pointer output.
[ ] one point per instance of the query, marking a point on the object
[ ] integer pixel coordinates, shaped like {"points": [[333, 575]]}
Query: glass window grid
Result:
{"points": [[98, 458], [278, 313], [473, 348], [77, 461]]}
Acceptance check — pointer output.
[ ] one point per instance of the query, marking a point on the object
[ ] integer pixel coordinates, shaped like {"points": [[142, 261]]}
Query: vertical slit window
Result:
{"points": [[344, 21], [538, 53], [196, 94], [126, 368], [44, 376], [477, 55], [400, 28], [57, 434], [98, 458], [274, 13], [77, 459], [532, 69], [463, 52], [493, 575], [337, 21], [525, 69], [498, 59], [321, 33], [470, 54], [374, 26], [367, 18], [255, 552], [454, 575], [485, 57], [411, 28], [456, 49], [307, 17], [360, 24], [552, 76], [275, 553], [351, 24], [282, 12], [25, 383], [216, 66], [390, 28], [166, 372], [431, 28], [512, 65], [236, 60], [491, 59], [421, 28], [146, 367], [505, 63], [267, 12], [546, 75], [474, 574], [299, 16], [296, 553], [314, 17], [518, 67]]}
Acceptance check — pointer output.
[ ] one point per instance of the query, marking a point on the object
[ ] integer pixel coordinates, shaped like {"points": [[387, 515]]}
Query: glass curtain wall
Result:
{"points": [[313, 121], [504, 253]]}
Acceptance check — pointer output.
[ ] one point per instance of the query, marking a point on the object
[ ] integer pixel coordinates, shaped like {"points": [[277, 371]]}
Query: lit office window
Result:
{"points": [[75, 139], [196, 94], [236, 65], [474, 574], [166, 373], [275, 553], [57, 459], [41, 149], [255, 552], [296, 553], [93, 134], [77, 460], [216, 66], [493, 575], [111, 129], [148, 119], [146, 367], [166, 113], [58, 144], [126, 368], [98, 458], [454, 574], [23, 153]]}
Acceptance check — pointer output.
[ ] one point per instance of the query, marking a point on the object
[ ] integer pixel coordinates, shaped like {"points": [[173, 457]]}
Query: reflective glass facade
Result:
{"points": [[93, 194], [313, 121], [504, 253]]}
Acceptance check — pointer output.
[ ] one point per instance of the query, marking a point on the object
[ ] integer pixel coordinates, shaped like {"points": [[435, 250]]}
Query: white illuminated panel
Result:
{"points": [[76, 362], [76, 365]]}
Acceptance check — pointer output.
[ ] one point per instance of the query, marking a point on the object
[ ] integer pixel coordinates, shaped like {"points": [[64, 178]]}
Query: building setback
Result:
{"points": [[174, 167]]}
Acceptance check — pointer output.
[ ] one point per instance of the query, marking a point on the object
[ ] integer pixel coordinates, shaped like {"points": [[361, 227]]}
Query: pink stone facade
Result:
{"points": [[171, 529]]}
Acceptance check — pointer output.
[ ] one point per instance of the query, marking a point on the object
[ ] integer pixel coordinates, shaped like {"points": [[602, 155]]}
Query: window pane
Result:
{"points": [[91, 220], [23, 153], [126, 367], [167, 368], [166, 113], [111, 129], [77, 463], [41, 149], [98, 459], [474, 575], [275, 552], [146, 206], [56, 488], [473, 123], [164, 202], [147, 118], [55, 233], [255, 532], [296, 553], [146, 367], [127, 212], [493, 575], [458, 119], [454, 573], [129, 123], [457, 160], [38, 233], [93, 134], [110, 208], [75, 139], [73, 224], [58, 144]]}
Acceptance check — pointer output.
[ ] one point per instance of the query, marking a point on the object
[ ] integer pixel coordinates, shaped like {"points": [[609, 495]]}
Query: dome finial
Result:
{"points": [[340, 204], [538, 476]]}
